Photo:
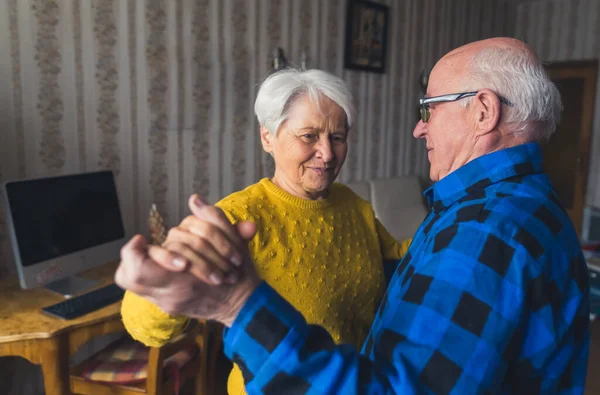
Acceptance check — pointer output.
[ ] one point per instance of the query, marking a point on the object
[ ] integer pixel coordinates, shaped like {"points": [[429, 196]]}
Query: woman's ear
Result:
{"points": [[488, 110], [266, 139]]}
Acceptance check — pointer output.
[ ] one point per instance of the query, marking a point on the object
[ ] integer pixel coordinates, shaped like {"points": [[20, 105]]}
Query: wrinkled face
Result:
{"points": [[310, 147], [447, 133]]}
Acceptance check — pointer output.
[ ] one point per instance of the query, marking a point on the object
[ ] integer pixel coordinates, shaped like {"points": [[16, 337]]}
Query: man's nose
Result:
{"points": [[419, 130]]}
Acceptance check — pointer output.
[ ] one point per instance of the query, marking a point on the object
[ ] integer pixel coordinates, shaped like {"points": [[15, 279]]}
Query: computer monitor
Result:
{"points": [[61, 226], [590, 232]]}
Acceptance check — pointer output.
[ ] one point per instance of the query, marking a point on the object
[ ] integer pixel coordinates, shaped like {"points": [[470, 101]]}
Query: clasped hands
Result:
{"points": [[202, 270]]}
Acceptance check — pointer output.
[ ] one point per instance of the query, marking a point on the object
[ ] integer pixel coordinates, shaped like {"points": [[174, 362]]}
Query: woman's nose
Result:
{"points": [[325, 150]]}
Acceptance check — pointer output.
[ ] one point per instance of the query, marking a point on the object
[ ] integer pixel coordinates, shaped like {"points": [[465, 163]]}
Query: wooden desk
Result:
{"points": [[27, 332]]}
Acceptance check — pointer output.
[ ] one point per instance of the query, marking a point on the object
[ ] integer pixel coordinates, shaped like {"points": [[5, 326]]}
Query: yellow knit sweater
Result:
{"points": [[323, 256]]}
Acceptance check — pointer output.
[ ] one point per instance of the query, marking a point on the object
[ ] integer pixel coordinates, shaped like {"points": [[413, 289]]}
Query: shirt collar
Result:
{"points": [[488, 169]]}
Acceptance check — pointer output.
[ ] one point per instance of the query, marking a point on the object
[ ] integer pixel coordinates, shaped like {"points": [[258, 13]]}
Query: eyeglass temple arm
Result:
{"points": [[446, 98], [457, 96]]}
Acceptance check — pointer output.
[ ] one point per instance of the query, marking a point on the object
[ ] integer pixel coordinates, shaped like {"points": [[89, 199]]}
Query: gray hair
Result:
{"points": [[518, 76], [279, 91]]}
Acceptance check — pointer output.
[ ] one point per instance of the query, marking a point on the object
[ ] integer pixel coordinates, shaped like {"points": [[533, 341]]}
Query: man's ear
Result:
{"points": [[487, 111], [266, 139]]}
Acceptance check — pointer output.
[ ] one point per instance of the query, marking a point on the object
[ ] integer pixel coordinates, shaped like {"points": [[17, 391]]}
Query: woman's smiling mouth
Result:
{"points": [[321, 170]]}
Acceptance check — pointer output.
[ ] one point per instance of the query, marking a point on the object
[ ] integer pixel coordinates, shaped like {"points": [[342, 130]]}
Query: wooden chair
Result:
{"points": [[158, 381]]}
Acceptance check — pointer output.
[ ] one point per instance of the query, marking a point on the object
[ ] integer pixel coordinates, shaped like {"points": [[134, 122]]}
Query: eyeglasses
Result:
{"points": [[424, 103]]}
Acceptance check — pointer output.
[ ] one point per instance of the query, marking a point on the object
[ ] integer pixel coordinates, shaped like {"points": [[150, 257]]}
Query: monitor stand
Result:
{"points": [[71, 286]]}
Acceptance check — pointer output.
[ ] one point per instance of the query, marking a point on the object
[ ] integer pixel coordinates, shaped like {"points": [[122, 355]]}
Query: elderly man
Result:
{"points": [[492, 296]]}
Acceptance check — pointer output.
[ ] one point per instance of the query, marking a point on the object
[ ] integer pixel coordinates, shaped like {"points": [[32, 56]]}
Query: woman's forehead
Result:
{"points": [[323, 110]]}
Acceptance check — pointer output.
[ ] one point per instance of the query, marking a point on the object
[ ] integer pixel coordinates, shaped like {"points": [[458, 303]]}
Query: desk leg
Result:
{"points": [[55, 365]]}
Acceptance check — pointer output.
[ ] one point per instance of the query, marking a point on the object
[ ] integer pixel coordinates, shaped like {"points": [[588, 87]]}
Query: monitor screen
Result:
{"points": [[58, 224]]}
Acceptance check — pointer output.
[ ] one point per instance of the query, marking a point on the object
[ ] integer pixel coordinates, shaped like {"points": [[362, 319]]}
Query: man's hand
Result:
{"points": [[206, 245]]}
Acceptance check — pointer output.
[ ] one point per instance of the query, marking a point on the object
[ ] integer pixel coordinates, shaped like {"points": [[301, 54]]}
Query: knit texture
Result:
{"points": [[324, 256]]}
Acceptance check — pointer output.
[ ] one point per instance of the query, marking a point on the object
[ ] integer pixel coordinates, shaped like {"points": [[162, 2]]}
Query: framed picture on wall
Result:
{"points": [[366, 36]]}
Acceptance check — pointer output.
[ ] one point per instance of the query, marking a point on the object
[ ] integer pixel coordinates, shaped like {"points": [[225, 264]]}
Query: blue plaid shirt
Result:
{"points": [[492, 297]]}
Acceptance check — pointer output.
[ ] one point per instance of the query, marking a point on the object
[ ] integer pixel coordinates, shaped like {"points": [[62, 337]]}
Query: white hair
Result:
{"points": [[280, 90], [519, 77]]}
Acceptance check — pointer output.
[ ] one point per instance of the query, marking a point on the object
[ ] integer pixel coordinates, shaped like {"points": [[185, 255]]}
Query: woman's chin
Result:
{"points": [[318, 187], [318, 182]]}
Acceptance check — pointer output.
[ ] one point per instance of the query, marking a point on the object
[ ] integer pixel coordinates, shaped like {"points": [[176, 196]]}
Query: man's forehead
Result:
{"points": [[446, 74]]}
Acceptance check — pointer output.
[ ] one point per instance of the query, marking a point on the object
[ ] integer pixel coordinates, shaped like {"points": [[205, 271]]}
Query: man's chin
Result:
{"points": [[433, 175]]}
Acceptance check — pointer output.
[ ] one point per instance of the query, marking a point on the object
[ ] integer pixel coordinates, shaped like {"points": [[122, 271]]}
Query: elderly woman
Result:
{"points": [[317, 243]]}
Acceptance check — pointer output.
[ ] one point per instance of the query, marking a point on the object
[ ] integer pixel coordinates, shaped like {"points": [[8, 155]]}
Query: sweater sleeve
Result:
{"points": [[390, 247], [147, 323]]}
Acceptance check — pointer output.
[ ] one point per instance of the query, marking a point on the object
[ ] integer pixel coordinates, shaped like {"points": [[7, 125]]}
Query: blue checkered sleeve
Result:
{"points": [[279, 353]]}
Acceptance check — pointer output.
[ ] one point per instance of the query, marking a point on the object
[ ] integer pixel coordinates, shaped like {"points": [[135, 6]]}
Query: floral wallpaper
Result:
{"points": [[107, 81], [49, 103], [202, 97], [162, 91]]}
